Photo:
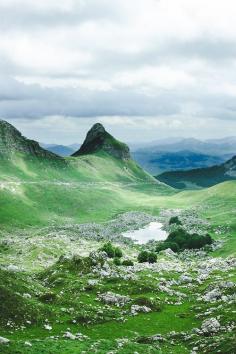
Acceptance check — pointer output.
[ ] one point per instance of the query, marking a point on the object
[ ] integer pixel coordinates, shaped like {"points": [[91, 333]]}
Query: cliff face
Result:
{"points": [[12, 141], [98, 139]]}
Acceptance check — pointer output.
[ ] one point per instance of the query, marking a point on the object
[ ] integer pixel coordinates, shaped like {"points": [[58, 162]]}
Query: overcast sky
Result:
{"points": [[146, 69]]}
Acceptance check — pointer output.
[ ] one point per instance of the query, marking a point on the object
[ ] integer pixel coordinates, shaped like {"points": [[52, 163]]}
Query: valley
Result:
{"points": [[61, 292]]}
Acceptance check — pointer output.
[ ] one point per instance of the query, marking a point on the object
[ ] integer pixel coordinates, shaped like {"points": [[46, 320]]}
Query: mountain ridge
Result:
{"points": [[200, 177], [12, 142], [98, 139]]}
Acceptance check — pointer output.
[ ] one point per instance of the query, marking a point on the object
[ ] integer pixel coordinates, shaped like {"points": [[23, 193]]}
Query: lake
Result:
{"points": [[152, 231]]}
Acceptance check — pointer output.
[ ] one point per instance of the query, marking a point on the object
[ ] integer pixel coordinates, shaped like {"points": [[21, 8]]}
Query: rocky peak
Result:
{"points": [[12, 141], [98, 139], [230, 167]]}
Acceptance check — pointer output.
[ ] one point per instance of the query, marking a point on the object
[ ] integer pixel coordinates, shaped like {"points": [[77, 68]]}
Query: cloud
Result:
{"points": [[160, 59]]}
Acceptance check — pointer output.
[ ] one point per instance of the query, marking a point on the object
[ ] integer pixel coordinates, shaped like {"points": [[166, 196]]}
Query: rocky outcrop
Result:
{"points": [[12, 141], [98, 139]]}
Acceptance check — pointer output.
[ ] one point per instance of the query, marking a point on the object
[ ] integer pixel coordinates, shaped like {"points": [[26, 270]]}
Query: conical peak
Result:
{"points": [[98, 139]]}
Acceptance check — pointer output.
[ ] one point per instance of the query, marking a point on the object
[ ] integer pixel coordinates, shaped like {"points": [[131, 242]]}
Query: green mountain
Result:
{"points": [[60, 294], [98, 139], [200, 177], [13, 142], [39, 187]]}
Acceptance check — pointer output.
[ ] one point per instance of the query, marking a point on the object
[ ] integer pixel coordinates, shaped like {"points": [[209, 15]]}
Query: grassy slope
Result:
{"points": [[195, 178], [96, 188], [92, 187]]}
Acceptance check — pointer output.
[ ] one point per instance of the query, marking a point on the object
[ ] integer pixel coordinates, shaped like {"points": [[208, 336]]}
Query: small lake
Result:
{"points": [[152, 231]]}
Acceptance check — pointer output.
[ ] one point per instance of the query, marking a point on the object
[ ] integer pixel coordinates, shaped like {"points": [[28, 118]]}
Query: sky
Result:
{"points": [[146, 69]]}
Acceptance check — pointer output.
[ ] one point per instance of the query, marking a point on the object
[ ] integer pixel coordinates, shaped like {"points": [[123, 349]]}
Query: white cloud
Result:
{"points": [[119, 59]]}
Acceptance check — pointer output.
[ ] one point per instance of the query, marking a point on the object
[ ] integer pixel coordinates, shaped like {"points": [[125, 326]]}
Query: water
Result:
{"points": [[152, 231]]}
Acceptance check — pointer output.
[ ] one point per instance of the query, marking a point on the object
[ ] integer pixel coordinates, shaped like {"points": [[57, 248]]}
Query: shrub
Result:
{"points": [[118, 252], [175, 220], [164, 245], [127, 263], [48, 297], [111, 251], [152, 257], [145, 301], [143, 256], [117, 261], [188, 241]]}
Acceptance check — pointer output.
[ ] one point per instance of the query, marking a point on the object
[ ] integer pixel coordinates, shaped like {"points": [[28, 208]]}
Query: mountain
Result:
{"points": [[39, 188], [161, 161], [213, 147], [201, 177], [12, 142], [98, 139], [61, 150]]}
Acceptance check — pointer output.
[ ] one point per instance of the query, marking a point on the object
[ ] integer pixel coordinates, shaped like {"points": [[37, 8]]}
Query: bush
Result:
{"points": [[188, 241], [117, 261], [48, 297], [118, 252], [145, 301], [175, 220], [109, 249], [127, 263], [164, 245], [152, 257], [143, 256]]}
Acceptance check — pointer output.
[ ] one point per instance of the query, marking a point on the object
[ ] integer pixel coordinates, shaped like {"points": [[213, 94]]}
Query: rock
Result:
{"points": [[168, 252], [28, 344], [13, 268], [212, 295], [210, 326], [98, 257], [184, 279], [48, 327], [4, 340], [226, 284], [69, 335], [111, 298], [135, 309]]}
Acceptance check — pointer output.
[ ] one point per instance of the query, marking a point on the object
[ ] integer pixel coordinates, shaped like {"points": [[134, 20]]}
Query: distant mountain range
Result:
{"points": [[61, 150], [200, 177], [170, 154], [182, 154]]}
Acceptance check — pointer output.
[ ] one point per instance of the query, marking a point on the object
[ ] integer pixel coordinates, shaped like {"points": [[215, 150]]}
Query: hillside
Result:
{"points": [[41, 187], [201, 177], [59, 293]]}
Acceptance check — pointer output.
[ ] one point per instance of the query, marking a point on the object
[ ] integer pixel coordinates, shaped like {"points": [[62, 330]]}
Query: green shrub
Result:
{"points": [[117, 261], [143, 256], [152, 257], [111, 251], [127, 263], [118, 252], [188, 241], [146, 301], [175, 220], [165, 244], [48, 297]]}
